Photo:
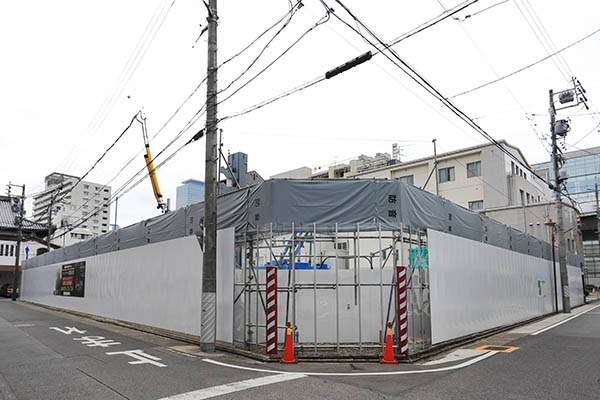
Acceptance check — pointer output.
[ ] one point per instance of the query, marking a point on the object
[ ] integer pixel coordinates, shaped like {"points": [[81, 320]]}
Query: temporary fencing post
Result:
{"points": [[402, 310], [271, 310]]}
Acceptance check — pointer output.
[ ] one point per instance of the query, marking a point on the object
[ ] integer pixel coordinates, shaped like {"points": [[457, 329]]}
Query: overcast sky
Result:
{"points": [[69, 87]]}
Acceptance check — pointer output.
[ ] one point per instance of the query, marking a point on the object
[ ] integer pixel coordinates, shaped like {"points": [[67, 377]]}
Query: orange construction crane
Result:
{"points": [[149, 164]]}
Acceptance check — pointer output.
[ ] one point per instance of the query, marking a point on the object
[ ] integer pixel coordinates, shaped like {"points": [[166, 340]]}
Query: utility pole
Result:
{"points": [[435, 164], [19, 239], [208, 316], [562, 248]]}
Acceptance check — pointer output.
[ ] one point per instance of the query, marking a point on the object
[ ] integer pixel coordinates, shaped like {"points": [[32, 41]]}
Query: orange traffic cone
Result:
{"points": [[288, 352], [388, 353]]}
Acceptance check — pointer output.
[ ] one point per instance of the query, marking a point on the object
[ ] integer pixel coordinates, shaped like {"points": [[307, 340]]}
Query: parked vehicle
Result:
{"points": [[6, 290]]}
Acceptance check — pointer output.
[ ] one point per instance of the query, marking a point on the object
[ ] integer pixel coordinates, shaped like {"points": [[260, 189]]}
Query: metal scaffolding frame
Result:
{"points": [[302, 257]]}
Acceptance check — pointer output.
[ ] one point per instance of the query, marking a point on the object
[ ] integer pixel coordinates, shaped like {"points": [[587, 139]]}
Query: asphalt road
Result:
{"points": [[51, 355]]}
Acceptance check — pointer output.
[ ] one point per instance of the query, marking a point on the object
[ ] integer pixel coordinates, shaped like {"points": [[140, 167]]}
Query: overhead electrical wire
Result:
{"points": [[427, 86], [316, 25], [526, 67], [430, 23], [289, 15], [260, 105], [549, 46], [510, 92], [128, 71]]}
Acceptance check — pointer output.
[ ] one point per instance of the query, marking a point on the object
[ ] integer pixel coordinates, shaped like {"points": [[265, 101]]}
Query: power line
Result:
{"points": [[290, 15], [421, 81], [316, 25], [129, 69], [526, 67]]}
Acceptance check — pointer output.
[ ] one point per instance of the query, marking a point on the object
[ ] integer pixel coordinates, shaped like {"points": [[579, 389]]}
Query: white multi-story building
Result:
{"points": [[479, 177], [72, 203]]}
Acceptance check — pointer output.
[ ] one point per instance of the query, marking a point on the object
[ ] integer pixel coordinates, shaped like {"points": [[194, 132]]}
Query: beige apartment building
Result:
{"points": [[479, 177]]}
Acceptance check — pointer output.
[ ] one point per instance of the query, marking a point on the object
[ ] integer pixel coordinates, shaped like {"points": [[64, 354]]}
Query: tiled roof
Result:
{"points": [[7, 218]]}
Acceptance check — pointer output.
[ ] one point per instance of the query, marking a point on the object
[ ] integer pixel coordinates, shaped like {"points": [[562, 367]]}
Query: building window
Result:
{"points": [[524, 176], [409, 179], [528, 198], [12, 250], [86, 186], [522, 196], [476, 205], [86, 193], [1, 249], [446, 174], [474, 169]]}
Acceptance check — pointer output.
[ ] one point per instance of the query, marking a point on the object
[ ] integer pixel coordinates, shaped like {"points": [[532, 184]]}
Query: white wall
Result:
{"points": [[475, 286], [159, 285]]}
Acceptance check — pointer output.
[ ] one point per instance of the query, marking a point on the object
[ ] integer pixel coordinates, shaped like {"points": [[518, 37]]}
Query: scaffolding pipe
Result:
{"points": [[337, 295], [359, 289], [313, 248], [381, 324]]}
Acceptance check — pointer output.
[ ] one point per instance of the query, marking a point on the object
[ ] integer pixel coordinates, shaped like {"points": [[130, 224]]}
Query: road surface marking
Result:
{"points": [[234, 387], [140, 356], [418, 371], [563, 321], [499, 349]]}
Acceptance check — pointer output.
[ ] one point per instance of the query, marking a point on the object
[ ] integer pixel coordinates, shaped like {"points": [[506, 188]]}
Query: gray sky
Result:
{"points": [[66, 92]]}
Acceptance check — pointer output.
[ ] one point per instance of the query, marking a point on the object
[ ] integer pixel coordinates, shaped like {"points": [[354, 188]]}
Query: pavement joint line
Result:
{"points": [[103, 384], [232, 387], [382, 373], [563, 321]]}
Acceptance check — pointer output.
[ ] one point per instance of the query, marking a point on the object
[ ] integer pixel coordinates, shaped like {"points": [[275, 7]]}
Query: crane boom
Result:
{"points": [[150, 165]]}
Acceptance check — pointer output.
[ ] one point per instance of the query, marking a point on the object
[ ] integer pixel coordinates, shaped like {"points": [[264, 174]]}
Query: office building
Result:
{"points": [[191, 191]]}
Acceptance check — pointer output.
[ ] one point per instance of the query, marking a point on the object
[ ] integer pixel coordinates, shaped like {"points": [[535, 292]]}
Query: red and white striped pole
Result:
{"points": [[271, 310], [402, 310]]}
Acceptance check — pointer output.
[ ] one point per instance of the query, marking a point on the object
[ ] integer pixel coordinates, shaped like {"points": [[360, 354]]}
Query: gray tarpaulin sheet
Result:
{"points": [[166, 227], [420, 209], [71, 252], [495, 233], [464, 223], [277, 203], [518, 241], [535, 247], [87, 248], [132, 235], [106, 243]]}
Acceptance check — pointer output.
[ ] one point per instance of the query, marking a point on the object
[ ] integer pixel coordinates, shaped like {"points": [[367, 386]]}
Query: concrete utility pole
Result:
{"points": [[19, 239], [208, 317], [562, 248], [435, 164]]}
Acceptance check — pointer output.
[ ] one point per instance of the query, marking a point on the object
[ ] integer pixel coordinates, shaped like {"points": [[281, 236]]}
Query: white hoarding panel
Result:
{"points": [[158, 285], [225, 267], [475, 286]]}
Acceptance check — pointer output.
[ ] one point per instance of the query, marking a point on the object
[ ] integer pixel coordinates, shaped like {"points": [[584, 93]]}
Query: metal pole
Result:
{"points": [[116, 209], [597, 219], [314, 265], [293, 266], [554, 269], [562, 248], [19, 238], [209, 268], [381, 321], [256, 281], [359, 291], [337, 295], [435, 164]]}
